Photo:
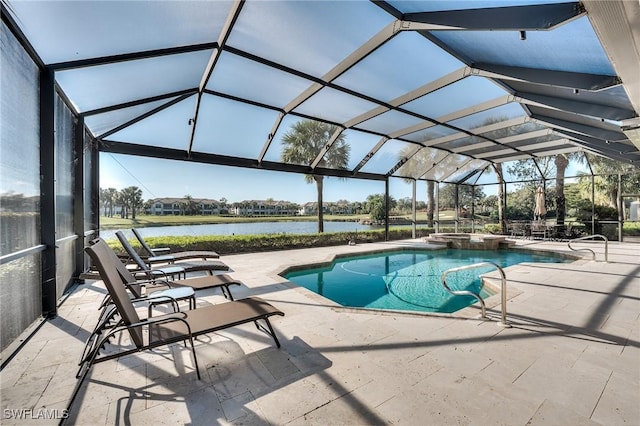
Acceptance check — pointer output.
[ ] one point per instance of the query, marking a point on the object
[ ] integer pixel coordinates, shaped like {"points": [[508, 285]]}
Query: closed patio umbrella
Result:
{"points": [[540, 209]]}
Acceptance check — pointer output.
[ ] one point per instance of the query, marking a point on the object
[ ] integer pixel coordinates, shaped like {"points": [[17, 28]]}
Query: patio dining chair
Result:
{"points": [[517, 229], [538, 230]]}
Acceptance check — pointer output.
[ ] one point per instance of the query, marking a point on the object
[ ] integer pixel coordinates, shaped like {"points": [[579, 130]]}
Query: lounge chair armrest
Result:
{"points": [[130, 286], [151, 277], [142, 299], [163, 275], [162, 281], [161, 250], [151, 297], [173, 317], [161, 297], [165, 258], [141, 273], [167, 271]]}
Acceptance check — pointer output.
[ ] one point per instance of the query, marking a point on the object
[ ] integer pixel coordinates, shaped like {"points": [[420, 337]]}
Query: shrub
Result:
{"points": [[233, 244], [631, 228], [583, 211], [518, 213], [493, 228]]}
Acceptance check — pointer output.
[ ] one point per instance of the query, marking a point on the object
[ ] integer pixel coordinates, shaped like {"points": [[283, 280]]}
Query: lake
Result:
{"points": [[292, 227]]}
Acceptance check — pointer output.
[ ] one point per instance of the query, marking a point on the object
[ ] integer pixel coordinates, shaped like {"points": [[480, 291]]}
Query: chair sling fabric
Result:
{"points": [[157, 292], [174, 268], [174, 327], [161, 330], [166, 251]]}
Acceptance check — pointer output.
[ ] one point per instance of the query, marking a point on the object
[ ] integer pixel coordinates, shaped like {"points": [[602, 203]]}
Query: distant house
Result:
{"points": [[308, 209], [181, 206], [331, 207], [340, 207], [12, 202], [208, 207], [311, 208], [264, 208], [164, 206]]}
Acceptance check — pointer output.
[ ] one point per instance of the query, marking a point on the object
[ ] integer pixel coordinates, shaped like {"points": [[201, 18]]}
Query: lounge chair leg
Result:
{"points": [[226, 292], [269, 331], [85, 370], [195, 357]]}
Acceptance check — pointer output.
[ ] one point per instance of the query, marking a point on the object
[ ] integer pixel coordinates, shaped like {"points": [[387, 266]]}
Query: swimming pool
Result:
{"points": [[408, 280]]}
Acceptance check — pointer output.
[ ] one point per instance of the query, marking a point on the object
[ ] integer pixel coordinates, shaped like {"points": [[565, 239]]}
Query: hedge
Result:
{"points": [[234, 244]]}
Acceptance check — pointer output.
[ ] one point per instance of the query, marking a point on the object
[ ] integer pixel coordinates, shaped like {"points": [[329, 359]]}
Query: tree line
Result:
{"points": [[128, 202], [128, 199], [306, 139]]}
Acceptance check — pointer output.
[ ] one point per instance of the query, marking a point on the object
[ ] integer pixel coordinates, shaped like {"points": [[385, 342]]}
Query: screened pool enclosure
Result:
{"points": [[449, 92]]}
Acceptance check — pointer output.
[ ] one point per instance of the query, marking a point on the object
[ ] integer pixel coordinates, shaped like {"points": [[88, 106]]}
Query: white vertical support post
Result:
{"points": [[456, 211], [437, 206], [620, 208], [386, 209], [593, 205], [413, 209], [473, 209]]}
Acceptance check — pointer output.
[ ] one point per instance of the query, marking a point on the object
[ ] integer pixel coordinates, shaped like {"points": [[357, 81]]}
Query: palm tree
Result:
{"points": [[561, 162], [107, 199], [497, 167], [525, 169], [417, 165], [223, 206], [431, 201], [103, 200], [304, 141], [119, 200], [606, 179], [147, 206], [375, 206], [112, 198], [131, 199], [189, 205]]}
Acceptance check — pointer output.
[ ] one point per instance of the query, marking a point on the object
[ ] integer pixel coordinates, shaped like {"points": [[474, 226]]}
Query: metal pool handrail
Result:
{"points": [[593, 253], [503, 288]]}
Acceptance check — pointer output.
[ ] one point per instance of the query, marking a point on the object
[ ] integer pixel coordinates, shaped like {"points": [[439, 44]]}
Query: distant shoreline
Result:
{"points": [[145, 221]]}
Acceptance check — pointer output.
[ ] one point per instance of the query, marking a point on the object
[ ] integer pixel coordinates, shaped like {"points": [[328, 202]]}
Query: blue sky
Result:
{"points": [[164, 178], [271, 30]]}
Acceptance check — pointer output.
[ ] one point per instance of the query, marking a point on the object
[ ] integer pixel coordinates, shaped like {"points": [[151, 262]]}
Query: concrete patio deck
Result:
{"points": [[571, 357]]}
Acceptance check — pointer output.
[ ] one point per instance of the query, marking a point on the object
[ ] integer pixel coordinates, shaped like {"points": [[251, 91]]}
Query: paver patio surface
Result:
{"points": [[570, 357]]}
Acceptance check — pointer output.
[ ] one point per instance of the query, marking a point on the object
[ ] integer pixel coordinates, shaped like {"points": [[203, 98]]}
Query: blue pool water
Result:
{"points": [[408, 280]]}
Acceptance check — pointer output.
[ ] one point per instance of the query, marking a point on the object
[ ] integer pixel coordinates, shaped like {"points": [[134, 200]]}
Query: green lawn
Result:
{"points": [[152, 220], [142, 221]]}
